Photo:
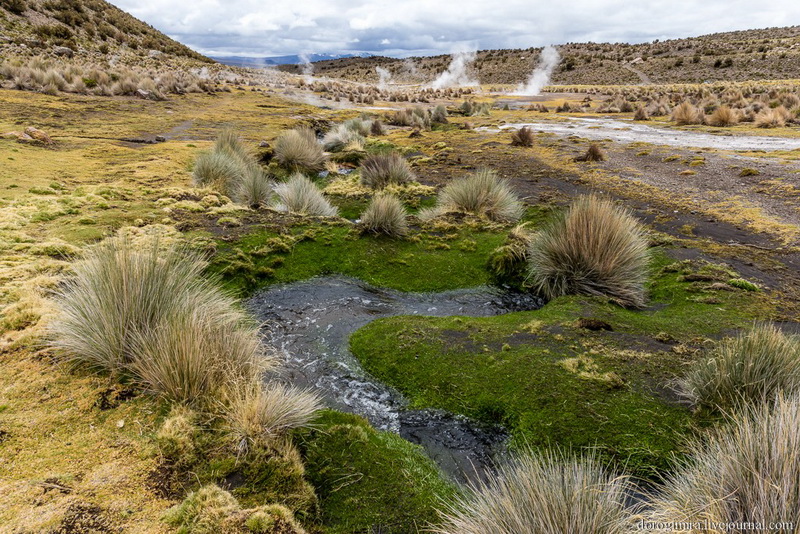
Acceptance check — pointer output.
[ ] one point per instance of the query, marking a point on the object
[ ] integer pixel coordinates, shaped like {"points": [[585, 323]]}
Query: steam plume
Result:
{"points": [[456, 74], [548, 60], [385, 77]]}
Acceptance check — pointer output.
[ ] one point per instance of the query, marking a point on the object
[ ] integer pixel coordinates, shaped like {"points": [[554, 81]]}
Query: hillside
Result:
{"points": [[771, 53], [88, 28]]}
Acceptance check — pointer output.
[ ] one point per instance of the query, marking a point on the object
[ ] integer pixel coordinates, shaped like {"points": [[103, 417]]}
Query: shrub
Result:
{"points": [[300, 195], [439, 115], [687, 113], [546, 494], [17, 7], [482, 193], [595, 248], [298, 150], [146, 310], [593, 153], [748, 471], [379, 170], [522, 137], [749, 368], [258, 415], [723, 116], [385, 215]]}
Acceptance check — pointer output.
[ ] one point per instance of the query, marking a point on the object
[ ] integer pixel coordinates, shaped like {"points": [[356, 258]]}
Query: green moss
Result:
{"points": [[552, 383], [399, 264], [369, 481]]}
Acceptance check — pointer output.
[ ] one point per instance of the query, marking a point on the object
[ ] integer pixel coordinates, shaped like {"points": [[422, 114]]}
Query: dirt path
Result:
{"points": [[642, 76]]}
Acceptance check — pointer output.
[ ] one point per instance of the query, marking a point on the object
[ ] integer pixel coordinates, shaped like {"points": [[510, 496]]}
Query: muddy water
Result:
{"points": [[310, 323], [630, 132]]}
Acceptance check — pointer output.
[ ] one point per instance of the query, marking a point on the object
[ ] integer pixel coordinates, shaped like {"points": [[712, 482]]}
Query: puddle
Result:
{"points": [[310, 323], [631, 132]]}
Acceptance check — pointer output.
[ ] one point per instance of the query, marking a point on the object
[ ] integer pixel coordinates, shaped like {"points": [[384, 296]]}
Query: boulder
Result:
{"points": [[63, 51]]}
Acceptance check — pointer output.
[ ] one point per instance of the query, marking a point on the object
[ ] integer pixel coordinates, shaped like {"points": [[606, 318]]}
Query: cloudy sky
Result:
{"points": [[423, 27]]}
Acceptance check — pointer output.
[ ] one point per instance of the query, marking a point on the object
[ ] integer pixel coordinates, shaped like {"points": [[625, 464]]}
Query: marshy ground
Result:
{"points": [[78, 449]]}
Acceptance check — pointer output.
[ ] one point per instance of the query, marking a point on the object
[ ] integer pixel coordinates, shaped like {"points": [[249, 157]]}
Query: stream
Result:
{"points": [[630, 132], [310, 322]]}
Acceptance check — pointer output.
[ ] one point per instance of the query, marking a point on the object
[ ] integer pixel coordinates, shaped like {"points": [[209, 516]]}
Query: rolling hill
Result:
{"points": [[89, 28], [770, 53]]}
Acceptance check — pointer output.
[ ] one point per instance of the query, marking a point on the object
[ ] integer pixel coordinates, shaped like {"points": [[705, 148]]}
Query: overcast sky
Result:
{"points": [[423, 27]]}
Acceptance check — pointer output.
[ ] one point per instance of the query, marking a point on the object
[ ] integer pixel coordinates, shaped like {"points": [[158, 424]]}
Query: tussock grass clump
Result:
{"points": [[300, 195], [257, 415], [376, 128], [641, 114], [298, 150], [144, 309], [749, 368], [508, 263], [595, 248], [770, 118], [340, 137], [379, 170], [747, 471], [196, 355], [218, 170], [254, 189], [723, 116], [232, 169], [522, 137], [687, 113], [482, 193], [385, 215], [593, 153], [546, 494]]}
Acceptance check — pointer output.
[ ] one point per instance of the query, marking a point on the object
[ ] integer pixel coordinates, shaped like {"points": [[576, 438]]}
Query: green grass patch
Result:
{"points": [[369, 481], [552, 383]]}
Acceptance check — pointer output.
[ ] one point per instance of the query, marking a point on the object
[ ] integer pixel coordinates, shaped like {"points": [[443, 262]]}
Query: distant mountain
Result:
{"points": [[272, 61], [85, 28]]}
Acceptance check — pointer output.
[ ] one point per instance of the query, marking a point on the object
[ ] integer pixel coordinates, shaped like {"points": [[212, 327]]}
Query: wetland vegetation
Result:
{"points": [[624, 324]]}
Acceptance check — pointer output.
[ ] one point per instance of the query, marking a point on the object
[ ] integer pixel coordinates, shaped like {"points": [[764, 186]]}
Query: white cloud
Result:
{"points": [[416, 27]]}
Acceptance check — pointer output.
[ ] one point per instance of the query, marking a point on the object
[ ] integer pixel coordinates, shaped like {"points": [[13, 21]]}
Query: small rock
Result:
{"points": [[38, 135], [141, 93], [154, 53], [63, 51], [120, 423], [25, 138], [160, 139], [263, 144]]}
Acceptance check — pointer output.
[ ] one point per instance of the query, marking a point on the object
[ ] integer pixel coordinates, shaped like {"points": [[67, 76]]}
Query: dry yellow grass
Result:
{"points": [[53, 201]]}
